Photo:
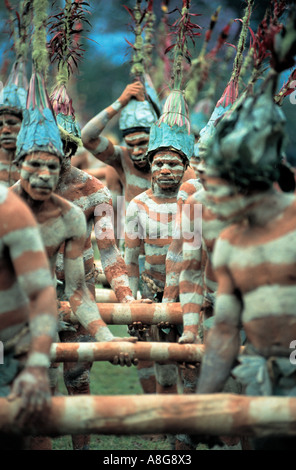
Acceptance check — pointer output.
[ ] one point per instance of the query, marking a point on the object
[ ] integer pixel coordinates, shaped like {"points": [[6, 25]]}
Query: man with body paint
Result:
{"points": [[13, 101], [254, 258], [28, 316], [130, 161], [94, 198], [151, 219], [62, 223]]}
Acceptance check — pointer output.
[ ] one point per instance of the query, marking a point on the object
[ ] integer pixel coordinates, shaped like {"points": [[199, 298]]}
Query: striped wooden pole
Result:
{"points": [[125, 314], [105, 296], [215, 414], [146, 351]]}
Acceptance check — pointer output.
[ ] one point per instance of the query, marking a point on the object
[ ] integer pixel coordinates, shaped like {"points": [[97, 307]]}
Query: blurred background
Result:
{"points": [[104, 70]]}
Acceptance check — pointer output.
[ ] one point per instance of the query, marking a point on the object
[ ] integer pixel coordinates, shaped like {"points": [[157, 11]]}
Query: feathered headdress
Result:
{"points": [[172, 130], [140, 113], [39, 131]]}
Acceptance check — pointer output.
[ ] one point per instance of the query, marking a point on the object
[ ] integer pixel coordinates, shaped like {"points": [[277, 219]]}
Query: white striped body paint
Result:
{"points": [[62, 223], [94, 199], [174, 255], [24, 277], [39, 174], [150, 220], [197, 279], [255, 261]]}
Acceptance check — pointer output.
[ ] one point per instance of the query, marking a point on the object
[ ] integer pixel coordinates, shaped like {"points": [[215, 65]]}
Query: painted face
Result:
{"points": [[39, 175], [9, 128], [137, 143], [225, 199], [167, 169]]}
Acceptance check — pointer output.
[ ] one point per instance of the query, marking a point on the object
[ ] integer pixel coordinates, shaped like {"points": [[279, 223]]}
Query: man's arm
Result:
{"points": [[101, 147], [133, 238], [223, 340], [81, 301], [174, 256], [32, 270], [112, 262], [191, 275]]}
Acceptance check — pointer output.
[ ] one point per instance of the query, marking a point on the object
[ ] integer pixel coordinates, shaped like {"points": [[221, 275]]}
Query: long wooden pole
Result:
{"points": [[106, 351], [125, 314], [217, 414]]}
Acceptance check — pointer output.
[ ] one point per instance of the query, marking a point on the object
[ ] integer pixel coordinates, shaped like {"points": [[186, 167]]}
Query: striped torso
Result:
{"points": [[23, 265], [174, 255], [150, 220], [260, 260], [197, 279]]}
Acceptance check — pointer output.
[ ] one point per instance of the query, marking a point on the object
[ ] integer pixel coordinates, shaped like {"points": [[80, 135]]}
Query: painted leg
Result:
{"points": [[77, 379]]}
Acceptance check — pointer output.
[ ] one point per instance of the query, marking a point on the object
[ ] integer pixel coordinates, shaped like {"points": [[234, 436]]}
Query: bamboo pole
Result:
{"points": [[215, 414], [127, 313], [146, 351]]}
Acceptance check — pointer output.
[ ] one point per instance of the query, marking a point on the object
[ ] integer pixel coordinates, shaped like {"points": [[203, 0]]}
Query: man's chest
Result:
{"points": [[157, 220]]}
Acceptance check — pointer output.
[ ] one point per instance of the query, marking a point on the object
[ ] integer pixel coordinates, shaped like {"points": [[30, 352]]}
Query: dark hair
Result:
{"points": [[131, 130]]}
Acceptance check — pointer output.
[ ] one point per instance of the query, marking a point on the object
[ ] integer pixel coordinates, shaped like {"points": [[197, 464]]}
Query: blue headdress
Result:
{"points": [[14, 93], [39, 131]]}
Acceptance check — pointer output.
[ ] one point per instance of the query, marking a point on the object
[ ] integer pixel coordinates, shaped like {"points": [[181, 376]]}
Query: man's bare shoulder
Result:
{"points": [[15, 214], [71, 215]]}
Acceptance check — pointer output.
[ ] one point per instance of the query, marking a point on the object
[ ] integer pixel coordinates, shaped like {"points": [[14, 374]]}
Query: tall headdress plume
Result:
{"points": [[230, 94], [248, 144], [66, 50], [139, 114], [172, 130], [39, 131]]}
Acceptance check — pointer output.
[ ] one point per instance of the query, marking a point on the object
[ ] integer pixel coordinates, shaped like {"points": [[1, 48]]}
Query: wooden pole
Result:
{"points": [[216, 414], [106, 351], [125, 314], [106, 296]]}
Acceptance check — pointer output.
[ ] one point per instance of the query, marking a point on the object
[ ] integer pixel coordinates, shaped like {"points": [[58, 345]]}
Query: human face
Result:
{"points": [[167, 169], [9, 128], [137, 143], [39, 175]]}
